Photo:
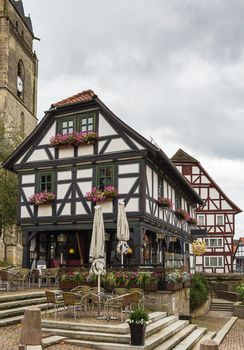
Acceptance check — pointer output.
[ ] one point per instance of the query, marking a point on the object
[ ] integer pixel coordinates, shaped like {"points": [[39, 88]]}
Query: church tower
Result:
{"points": [[18, 70]]}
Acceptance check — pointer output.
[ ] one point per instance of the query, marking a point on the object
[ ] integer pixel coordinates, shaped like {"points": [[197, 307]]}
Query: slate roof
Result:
{"points": [[183, 157], [86, 95], [18, 4]]}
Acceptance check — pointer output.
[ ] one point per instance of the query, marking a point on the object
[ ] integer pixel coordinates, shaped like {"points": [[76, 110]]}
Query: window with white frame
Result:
{"points": [[214, 242], [201, 220], [220, 220], [213, 261]]}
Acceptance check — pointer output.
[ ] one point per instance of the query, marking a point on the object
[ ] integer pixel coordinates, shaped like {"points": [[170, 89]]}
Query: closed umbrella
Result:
{"points": [[96, 254], [123, 232]]}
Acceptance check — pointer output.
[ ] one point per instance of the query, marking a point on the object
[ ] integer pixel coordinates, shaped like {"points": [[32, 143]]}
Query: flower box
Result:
{"points": [[192, 222], [181, 214], [74, 139], [186, 284], [108, 193], [67, 285], [41, 198], [164, 202], [173, 286]]}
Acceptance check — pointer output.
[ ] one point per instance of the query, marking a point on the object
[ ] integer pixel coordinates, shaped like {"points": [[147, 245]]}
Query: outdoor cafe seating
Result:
{"points": [[75, 301]]}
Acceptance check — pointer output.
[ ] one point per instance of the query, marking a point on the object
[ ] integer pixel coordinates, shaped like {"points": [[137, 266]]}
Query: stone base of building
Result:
{"points": [[175, 302], [14, 254], [238, 310]]}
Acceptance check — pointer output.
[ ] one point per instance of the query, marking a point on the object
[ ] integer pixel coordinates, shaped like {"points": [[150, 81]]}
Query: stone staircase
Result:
{"points": [[163, 333], [12, 307], [223, 305]]}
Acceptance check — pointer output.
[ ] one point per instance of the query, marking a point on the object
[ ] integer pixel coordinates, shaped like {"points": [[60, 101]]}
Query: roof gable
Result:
{"points": [[18, 5], [86, 95], [183, 157]]}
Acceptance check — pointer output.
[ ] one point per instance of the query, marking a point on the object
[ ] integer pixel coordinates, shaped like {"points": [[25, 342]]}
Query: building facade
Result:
{"points": [[216, 215], [238, 257], [18, 70], [118, 156]]}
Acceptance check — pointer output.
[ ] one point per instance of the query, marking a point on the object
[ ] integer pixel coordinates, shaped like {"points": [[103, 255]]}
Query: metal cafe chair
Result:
{"points": [[53, 300], [120, 303], [74, 300]]}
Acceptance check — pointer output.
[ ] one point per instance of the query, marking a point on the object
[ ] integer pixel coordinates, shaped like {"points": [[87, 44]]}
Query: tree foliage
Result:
{"points": [[199, 291]]}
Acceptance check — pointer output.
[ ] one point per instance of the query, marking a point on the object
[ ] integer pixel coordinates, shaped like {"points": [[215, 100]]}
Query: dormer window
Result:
{"points": [[84, 122], [87, 122], [66, 126]]}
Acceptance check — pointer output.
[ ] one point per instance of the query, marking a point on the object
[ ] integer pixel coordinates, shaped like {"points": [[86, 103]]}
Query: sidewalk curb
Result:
{"points": [[225, 330]]}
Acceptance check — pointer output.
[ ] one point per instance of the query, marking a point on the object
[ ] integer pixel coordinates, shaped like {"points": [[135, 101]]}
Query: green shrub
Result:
{"points": [[199, 291]]}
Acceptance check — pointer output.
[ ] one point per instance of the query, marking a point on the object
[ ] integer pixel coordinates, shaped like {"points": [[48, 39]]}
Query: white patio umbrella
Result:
{"points": [[123, 232], [96, 253]]}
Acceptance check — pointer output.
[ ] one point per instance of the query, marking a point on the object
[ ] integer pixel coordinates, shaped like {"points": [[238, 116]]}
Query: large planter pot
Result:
{"points": [[137, 333], [67, 285], [173, 286]]}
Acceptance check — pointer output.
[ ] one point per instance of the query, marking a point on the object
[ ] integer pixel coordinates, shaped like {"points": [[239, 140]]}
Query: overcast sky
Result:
{"points": [[171, 69]]}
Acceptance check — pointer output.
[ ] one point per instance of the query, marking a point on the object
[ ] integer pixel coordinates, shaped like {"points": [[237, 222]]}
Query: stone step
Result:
{"points": [[8, 321], [207, 336], [111, 337], [151, 342], [22, 296], [24, 302], [191, 340], [52, 340], [175, 339], [19, 311], [122, 328]]}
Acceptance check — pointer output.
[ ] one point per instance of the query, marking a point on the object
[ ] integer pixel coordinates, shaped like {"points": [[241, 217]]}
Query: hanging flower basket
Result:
{"points": [[164, 202], [75, 139], [42, 198], [192, 222], [96, 195], [198, 248], [181, 214]]}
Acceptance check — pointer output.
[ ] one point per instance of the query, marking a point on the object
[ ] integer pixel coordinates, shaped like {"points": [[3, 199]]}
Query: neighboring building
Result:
{"points": [[238, 257], [120, 157], [217, 215], [18, 70]]}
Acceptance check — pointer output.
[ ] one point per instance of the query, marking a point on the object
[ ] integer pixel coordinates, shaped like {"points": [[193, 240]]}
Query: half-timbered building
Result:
{"points": [[238, 257], [216, 215], [118, 157]]}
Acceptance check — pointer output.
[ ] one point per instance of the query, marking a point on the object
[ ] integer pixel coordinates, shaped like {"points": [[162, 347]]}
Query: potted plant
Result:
{"points": [[181, 214], [185, 278], [164, 202], [173, 281], [43, 197], [138, 320], [191, 221], [68, 281], [96, 195], [109, 281], [73, 139]]}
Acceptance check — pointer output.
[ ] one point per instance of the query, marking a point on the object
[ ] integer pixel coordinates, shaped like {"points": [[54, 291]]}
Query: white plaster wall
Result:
{"points": [[64, 175], [28, 191], [66, 210], [28, 179], [125, 185], [79, 208], [84, 187], [214, 194], [100, 145], [85, 150], [38, 154], [210, 219], [205, 179], [195, 170], [66, 152], [203, 193], [51, 132], [62, 190], [133, 205], [129, 168], [136, 143], [105, 129], [24, 212], [147, 206], [149, 179], [20, 159], [155, 185], [81, 173], [117, 145], [226, 206]]}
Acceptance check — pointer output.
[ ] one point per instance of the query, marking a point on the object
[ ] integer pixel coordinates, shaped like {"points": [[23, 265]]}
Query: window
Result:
{"points": [[214, 261], [66, 126], [177, 201], [20, 79], [87, 122], [214, 242], [186, 170], [22, 124], [104, 176], [220, 220], [200, 219], [160, 188], [46, 182]]}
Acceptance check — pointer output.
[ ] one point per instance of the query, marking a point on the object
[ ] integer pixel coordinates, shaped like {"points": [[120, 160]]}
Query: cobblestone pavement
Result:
{"points": [[235, 339]]}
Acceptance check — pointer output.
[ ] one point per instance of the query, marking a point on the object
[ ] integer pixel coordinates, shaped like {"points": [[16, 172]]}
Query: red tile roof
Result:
{"points": [[85, 95]]}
